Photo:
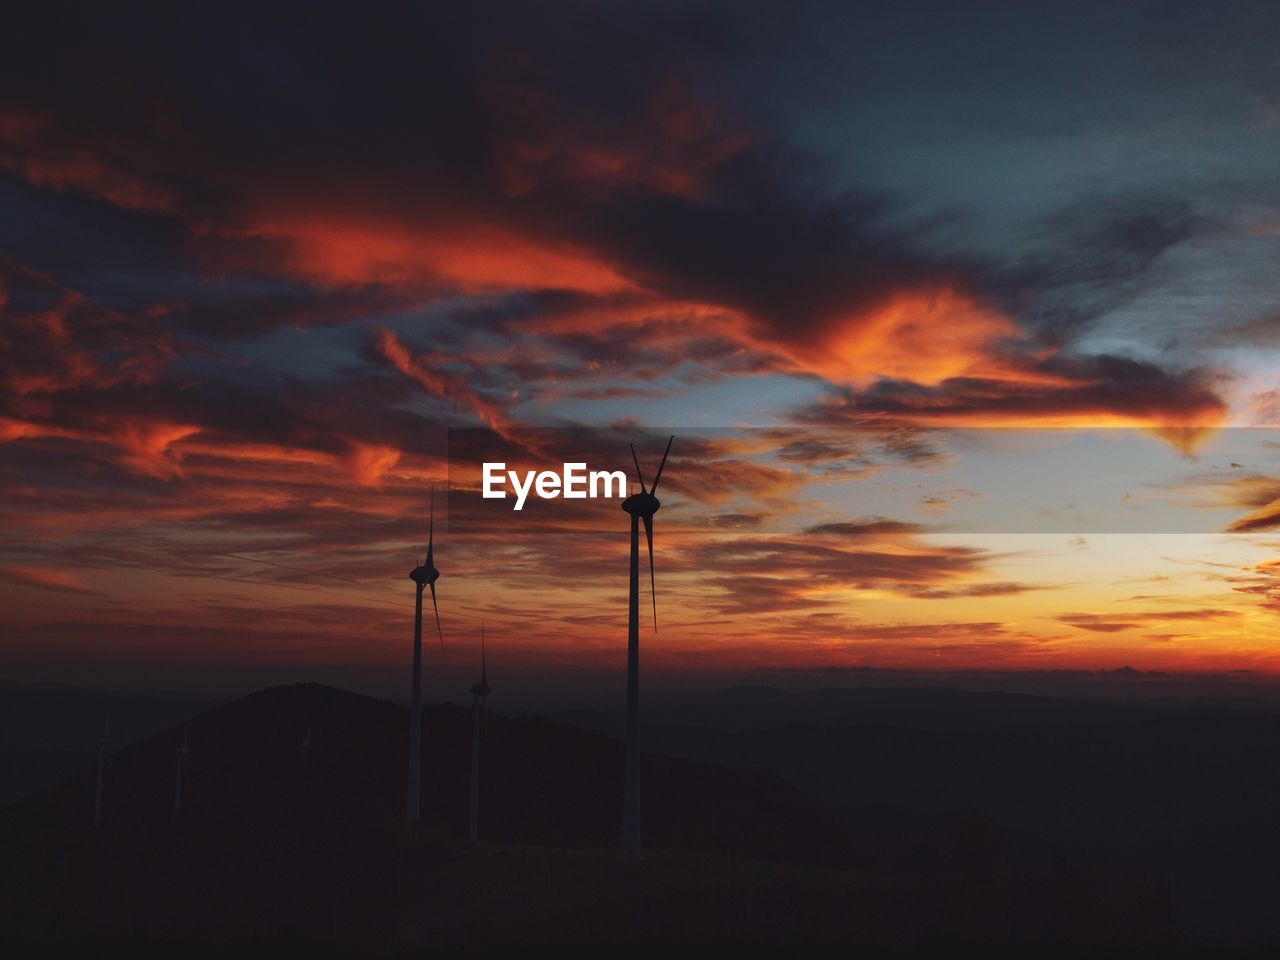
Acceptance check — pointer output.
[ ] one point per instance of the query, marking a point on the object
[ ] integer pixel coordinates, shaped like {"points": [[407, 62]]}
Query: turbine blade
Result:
{"points": [[661, 466], [648, 533], [437, 610], [636, 461], [431, 531], [483, 676]]}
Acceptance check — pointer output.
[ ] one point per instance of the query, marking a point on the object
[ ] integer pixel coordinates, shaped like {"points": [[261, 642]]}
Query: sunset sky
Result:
{"points": [[965, 317]]}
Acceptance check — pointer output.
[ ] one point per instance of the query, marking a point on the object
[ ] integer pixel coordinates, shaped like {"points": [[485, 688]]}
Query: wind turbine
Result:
{"points": [[102, 755], [641, 506], [424, 576], [184, 751], [479, 702]]}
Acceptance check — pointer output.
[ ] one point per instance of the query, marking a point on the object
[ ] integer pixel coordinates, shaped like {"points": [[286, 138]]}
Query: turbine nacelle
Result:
{"points": [[424, 576], [480, 691], [641, 504]]}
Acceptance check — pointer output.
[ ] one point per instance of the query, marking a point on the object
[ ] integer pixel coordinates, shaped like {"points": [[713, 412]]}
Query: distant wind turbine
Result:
{"points": [[102, 756], [641, 506], [424, 576], [184, 751], [479, 704]]}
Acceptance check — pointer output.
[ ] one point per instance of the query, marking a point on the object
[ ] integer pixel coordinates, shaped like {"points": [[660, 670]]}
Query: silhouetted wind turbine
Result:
{"points": [[184, 751], [641, 506], [479, 703], [424, 576], [102, 755]]}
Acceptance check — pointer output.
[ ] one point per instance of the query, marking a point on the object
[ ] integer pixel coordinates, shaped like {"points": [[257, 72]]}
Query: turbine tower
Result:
{"points": [[641, 506], [479, 703], [102, 756], [423, 576], [184, 751]]}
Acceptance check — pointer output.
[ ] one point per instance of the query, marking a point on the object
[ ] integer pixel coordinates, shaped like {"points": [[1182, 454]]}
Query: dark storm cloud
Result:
{"points": [[308, 150], [231, 167], [1062, 390], [436, 115]]}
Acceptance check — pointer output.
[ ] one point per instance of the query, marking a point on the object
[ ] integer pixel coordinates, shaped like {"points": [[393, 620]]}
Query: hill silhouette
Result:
{"points": [[49, 732], [275, 839], [543, 782], [902, 819], [1175, 796]]}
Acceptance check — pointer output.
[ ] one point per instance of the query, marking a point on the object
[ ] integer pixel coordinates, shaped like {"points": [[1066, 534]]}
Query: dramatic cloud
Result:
{"points": [[1056, 392], [256, 265]]}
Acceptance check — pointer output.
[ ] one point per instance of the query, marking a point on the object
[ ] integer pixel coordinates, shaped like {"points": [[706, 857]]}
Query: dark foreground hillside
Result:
{"points": [[280, 845]]}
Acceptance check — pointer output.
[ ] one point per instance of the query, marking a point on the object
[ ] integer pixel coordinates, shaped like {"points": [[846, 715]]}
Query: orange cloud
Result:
{"points": [[931, 357], [1256, 492], [1266, 517], [47, 578], [146, 445], [28, 145], [472, 257], [446, 386], [1051, 391], [370, 463], [926, 336], [11, 429], [76, 344], [90, 175]]}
